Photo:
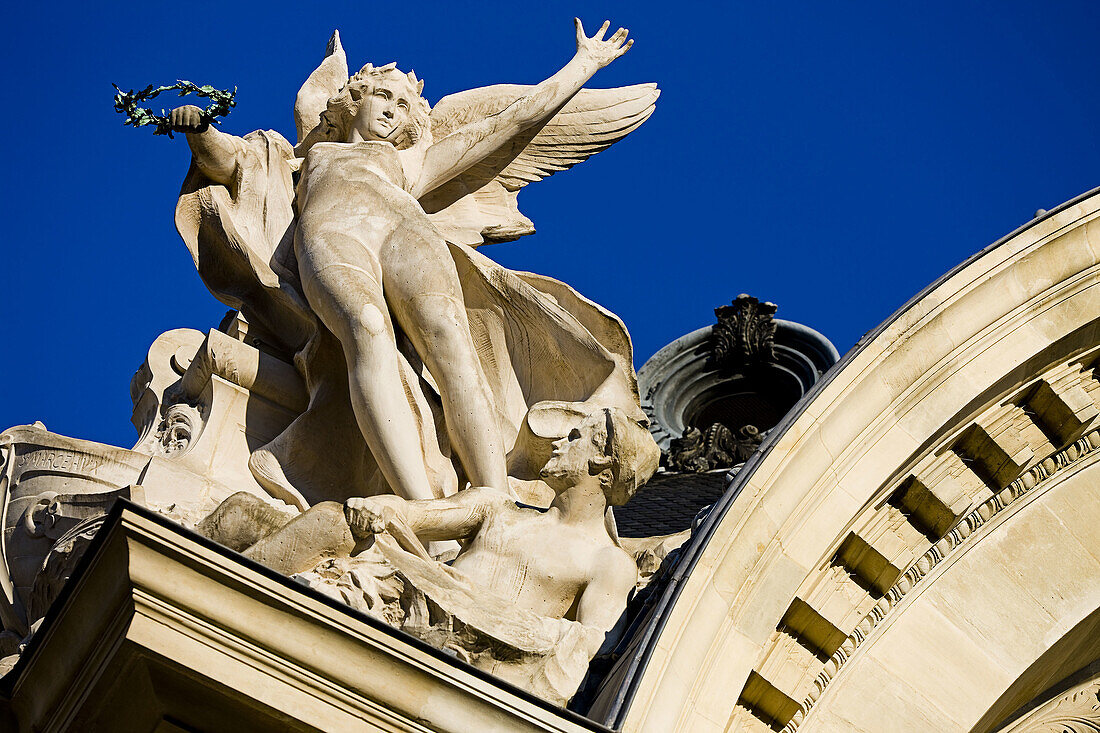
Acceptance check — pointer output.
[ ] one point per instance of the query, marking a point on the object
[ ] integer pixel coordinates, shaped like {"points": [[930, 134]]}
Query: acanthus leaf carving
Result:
{"points": [[1076, 711], [698, 451], [744, 335]]}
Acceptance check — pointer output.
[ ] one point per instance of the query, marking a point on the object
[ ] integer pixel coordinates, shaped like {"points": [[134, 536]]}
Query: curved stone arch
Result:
{"points": [[1063, 655], [990, 627], [1071, 706], [911, 396]]}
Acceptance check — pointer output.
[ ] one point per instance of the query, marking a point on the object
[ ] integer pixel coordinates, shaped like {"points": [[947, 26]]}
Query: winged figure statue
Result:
{"points": [[353, 252]]}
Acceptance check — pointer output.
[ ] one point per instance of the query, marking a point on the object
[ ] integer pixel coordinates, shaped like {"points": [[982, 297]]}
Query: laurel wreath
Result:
{"points": [[221, 101]]}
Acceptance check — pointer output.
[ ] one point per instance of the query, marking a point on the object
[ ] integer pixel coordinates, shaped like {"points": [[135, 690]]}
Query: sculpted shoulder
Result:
{"points": [[616, 563]]}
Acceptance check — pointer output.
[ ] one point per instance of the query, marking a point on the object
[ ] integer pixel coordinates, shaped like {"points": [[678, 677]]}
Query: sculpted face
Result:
{"points": [[570, 458], [383, 109]]}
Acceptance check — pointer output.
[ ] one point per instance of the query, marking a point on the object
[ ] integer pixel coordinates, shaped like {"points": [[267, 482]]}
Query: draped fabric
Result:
{"points": [[443, 607], [537, 339]]}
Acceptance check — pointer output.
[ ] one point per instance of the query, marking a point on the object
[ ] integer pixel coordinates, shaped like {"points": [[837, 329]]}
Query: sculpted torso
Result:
{"points": [[513, 553], [351, 200], [545, 587], [373, 161], [370, 260], [557, 563]]}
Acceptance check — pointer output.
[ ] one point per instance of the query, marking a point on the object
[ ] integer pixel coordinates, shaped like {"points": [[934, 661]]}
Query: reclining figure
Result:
{"points": [[532, 595]]}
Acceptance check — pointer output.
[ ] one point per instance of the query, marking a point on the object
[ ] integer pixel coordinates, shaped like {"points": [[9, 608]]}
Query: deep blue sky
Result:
{"points": [[831, 157]]}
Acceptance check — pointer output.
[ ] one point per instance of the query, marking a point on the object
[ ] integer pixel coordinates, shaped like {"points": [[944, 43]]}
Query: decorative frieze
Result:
{"points": [[939, 551], [973, 474]]}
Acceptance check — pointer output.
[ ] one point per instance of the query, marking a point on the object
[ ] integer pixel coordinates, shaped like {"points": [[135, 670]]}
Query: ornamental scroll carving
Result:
{"points": [[744, 335], [1076, 711], [178, 428], [697, 451]]}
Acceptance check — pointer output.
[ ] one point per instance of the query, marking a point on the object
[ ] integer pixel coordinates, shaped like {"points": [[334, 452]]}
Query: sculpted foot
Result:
{"points": [[267, 469]]}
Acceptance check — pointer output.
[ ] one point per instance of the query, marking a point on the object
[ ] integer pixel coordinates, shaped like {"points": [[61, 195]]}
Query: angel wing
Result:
{"points": [[479, 206], [325, 81]]}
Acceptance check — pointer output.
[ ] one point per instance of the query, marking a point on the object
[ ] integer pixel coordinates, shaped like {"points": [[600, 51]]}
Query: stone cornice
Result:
{"points": [[153, 597], [1084, 448]]}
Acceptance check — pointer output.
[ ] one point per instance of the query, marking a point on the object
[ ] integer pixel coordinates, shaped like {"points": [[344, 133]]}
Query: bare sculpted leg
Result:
{"points": [[423, 291], [365, 249], [344, 288]]}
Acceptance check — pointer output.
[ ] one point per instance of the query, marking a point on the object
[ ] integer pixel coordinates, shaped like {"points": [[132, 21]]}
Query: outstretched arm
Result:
{"points": [[451, 518], [216, 154], [470, 144]]}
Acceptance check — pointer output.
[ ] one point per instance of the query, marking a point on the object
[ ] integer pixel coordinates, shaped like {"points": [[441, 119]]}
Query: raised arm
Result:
{"points": [[470, 144], [451, 518], [216, 154]]}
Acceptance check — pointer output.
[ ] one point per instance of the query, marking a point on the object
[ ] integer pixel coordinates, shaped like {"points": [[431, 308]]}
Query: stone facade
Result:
{"points": [[914, 547], [905, 539]]}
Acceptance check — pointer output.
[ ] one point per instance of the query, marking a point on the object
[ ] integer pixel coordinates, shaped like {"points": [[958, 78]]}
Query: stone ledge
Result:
{"points": [[162, 627]]}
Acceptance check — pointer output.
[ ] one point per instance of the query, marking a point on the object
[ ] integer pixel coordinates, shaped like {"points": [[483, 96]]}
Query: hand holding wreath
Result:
{"points": [[188, 118]]}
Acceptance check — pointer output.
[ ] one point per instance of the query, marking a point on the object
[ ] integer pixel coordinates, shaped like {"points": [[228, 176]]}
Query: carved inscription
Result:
{"points": [[54, 460]]}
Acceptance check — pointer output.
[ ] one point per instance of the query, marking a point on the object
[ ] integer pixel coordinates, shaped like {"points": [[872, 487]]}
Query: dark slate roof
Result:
{"points": [[669, 502]]}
